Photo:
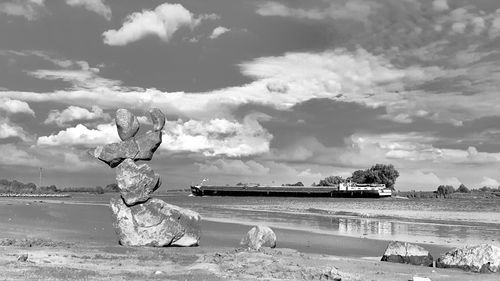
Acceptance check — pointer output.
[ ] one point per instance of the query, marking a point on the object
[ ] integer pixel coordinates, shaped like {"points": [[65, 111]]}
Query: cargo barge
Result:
{"points": [[341, 190]]}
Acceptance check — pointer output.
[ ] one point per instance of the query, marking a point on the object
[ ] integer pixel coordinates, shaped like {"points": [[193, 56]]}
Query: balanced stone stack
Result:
{"points": [[140, 220]]}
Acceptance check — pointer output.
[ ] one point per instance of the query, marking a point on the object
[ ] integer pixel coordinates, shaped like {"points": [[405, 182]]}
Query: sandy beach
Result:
{"points": [[76, 241]]}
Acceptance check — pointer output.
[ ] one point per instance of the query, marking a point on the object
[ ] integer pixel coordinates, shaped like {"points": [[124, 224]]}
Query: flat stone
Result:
{"points": [[259, 236], [136, 182], [126, 124], [403, 252], [155, 223], [158, 119], [482, 258], [147, 144], [114, 153]]}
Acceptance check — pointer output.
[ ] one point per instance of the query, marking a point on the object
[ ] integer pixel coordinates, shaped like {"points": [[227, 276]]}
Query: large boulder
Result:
{"points": [[136, 182], [126, 124], [158, 119], [259, 236], [403, 252], [479, 258], [155, 223], [114, 153], [147, 144]]}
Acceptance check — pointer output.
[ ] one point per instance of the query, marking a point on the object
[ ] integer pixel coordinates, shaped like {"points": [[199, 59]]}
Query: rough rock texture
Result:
{"points": [[158, 119], [114, 153], [403, 252], [126, 124], [259, 236], [155, 223], [147, 144], [136, 183], [479, 258]]}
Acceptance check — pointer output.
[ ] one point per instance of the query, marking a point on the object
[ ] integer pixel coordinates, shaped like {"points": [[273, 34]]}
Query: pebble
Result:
{"points": [[23, 258], [158, 272]]}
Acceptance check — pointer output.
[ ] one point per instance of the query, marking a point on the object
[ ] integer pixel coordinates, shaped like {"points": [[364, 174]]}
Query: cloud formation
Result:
{"points": [[218, 31], [75, 113], [80, 135], [97, 6], [15, 106], [30, 9], [162, 22]]}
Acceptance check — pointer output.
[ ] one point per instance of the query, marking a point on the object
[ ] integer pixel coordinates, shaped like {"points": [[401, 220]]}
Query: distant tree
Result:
{"points": [[331, 181], [293, 184], [463, 189], [99, 190], [485, 189], [112, 187], [379, 173], [445, 190]]}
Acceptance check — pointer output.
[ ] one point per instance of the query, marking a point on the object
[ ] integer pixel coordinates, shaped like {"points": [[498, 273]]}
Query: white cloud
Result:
{"points": [[218, 136], [351, 10], [30, 9], [490, 182], [440, 5], [13, 156], [15, 106], [233, 168], [218, 31], [163, 22], [97, 6], [75, 113], [420, 180], [81, 136], [9, 130]]}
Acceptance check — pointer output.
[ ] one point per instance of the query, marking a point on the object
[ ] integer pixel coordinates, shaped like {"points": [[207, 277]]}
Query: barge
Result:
{"points": [[340, 190]]}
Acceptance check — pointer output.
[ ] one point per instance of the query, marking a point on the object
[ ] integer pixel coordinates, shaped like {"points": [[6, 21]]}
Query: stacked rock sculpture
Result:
{"points": [[140, 220]]}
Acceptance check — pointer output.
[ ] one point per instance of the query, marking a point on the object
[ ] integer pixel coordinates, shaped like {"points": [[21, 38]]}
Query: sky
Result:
{"points": [[269, 92]]}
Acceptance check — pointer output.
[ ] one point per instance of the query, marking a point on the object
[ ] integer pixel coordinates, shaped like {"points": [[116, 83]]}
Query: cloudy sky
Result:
{"points": [[254, 91]]}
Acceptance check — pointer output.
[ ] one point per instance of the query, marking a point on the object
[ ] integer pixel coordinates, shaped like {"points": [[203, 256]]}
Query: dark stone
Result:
{"points": [[147, 144], [114, 153], [403, 252], [136, 183], [158, 119]]}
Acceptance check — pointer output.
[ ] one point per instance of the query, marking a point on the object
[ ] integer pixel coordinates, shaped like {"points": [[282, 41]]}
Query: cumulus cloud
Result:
{"points": [[30, 9], [97, 6], [75, 113], [490, 182], [80, 135], [15, 106], [218, 31], [440, 5], [218, 136], [10, 130], [423, 180], [162, 22], [233, 167], [15, 156]]}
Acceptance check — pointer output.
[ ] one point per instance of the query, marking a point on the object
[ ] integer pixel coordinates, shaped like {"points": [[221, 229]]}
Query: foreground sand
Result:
{"points": [[66, 261], [65, 241]]}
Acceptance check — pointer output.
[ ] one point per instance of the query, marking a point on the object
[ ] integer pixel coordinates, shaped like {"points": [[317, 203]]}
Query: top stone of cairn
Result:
{"points": [[126, 124], [158, 119]]}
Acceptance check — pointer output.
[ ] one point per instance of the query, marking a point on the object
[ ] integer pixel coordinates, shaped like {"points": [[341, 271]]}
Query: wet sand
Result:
{"points": [[93, 254]]}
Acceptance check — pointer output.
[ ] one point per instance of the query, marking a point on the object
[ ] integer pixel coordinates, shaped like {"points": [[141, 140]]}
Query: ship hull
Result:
{"points": [[287, 191]]}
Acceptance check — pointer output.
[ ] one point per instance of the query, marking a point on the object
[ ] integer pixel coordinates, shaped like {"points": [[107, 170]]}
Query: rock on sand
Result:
{"points": [[403, 252], [259, 236], [479, 258], [155, 223]]}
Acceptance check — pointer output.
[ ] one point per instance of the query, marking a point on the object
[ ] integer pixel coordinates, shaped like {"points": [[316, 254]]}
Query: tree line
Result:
{"points": [[15, 186]]}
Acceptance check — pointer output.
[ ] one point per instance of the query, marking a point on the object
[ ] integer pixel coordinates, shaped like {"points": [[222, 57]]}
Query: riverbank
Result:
{"points": [[84, 247]]}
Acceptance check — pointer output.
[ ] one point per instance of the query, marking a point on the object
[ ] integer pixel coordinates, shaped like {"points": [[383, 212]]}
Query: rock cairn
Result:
{"points": [[140, 220]]}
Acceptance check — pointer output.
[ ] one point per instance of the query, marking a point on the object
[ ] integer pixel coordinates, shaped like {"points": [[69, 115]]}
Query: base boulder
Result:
{"points": [[259, 236], [480, 258], [403, 252], [155, 223]]}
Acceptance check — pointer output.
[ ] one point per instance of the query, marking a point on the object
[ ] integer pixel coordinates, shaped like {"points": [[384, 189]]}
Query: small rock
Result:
{"points": [[158, 272], [158, 119], [23, 258], [126, 124], [482, 258], [136, 183], [259, 236], [403, 252]]}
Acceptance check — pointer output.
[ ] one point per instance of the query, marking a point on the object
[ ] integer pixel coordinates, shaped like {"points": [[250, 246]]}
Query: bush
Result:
{"points": [[331, 181], [445, 190], [293, 184], [463, 189]]}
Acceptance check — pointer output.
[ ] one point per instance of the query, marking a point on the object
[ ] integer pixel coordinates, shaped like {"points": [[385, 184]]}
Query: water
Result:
{"points": [[450, 222]]}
